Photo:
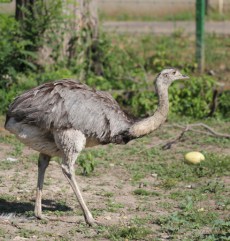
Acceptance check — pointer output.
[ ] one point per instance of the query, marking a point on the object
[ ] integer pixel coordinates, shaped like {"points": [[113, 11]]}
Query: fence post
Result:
{"points": [[221, 6], [200, 18]]}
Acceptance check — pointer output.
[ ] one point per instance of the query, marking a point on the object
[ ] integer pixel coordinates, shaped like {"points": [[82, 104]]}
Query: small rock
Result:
{"points": [[18, 238], [212, 72], [165, 236], [200, 210], [141, 185], [23, 191], [111, 165], [11, 159], [189, 186], [108, 218], [154, 175]]}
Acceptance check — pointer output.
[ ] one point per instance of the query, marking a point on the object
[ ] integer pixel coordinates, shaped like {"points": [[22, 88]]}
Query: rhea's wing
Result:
{"points": [[67, 104]]}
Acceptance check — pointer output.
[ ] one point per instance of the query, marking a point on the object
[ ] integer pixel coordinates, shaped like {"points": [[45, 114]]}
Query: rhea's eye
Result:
{"points": [[174, 72]]}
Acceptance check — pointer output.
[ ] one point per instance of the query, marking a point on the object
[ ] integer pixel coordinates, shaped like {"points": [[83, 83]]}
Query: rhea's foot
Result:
{"points": [[41, 217], [91, 221]]}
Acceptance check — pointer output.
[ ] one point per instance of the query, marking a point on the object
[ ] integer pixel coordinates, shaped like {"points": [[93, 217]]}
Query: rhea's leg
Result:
{"points": [[69, 172], [43, 162], [71, 142]]}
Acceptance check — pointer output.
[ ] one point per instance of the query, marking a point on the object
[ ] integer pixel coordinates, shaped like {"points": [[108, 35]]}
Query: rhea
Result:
{"points": [[62, 118]]}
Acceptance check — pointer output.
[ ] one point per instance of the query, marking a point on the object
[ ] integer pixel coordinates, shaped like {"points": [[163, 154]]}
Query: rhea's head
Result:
{"points": [[168, 76]]}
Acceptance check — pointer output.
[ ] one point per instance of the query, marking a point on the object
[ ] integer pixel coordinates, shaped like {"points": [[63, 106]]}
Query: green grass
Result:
{"points": [[128, 233], [108, 194], [8, 198], [6, 165], [173, 169], [194, 219], [2, 232], [17, 149], [143, 192], [182, 221], [113, 206], [180, 16], [125, 16]]}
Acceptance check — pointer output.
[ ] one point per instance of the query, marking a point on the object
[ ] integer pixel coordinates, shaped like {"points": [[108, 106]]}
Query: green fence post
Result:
{"points": [[200, 18]]}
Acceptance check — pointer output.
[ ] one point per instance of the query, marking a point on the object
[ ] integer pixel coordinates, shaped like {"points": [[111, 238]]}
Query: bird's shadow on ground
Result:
{"points": [[7, 207]]}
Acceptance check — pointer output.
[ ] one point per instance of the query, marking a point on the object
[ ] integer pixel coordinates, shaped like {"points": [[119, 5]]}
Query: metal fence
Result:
{"points": [[156, 18], [162, 17]]}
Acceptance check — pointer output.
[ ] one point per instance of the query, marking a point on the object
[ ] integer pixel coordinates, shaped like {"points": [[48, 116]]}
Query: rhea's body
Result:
{"points": [[64, 117]]}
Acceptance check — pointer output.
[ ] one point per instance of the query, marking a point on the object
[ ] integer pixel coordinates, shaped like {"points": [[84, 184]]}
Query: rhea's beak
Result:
{"points": [[184, 77]]}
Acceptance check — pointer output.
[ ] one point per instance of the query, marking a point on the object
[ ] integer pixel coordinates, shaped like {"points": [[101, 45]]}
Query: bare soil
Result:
{"points": [[108, 191]]}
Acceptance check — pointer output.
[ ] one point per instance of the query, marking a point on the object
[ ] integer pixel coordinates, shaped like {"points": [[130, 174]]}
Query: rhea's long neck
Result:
{"points": [[147, 125]]}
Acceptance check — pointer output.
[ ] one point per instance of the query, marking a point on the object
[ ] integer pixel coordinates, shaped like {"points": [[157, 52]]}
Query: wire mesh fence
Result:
{"points": [[174, 19], [165, 27], [162, 17]]}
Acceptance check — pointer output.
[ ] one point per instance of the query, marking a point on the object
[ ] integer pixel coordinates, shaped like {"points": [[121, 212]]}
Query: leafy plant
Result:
{"points": [[143, 192], [224, 105], [14, 56], [132, 233], [189, 217], [122, 64], [87, 163], [193, 98]]}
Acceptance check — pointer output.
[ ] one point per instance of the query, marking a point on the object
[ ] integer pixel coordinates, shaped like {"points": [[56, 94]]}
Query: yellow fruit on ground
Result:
{"points": [[194, 157]]}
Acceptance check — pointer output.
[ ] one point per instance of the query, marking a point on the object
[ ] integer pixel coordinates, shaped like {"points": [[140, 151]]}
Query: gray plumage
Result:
{"points": [[64, 117], [67, 104]]}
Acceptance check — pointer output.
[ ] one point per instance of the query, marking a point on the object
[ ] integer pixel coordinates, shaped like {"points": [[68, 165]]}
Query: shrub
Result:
{"points": [[224, 105], [14, 56], [194, 98], [112, 63]]}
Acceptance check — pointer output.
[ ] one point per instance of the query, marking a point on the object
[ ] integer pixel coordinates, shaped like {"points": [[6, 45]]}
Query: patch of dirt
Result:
{"points": [[109, 194]]}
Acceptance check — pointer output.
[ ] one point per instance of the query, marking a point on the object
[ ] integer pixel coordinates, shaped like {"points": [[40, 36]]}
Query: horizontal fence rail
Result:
{"points": [[165, 27]]}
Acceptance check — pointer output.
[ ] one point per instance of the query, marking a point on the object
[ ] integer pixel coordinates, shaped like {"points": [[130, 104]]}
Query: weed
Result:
{"points": [[189, 217], [143, 192], [29, 214], [108, 194], [214, 186], [7, 197], [220, 231], [132, 233], [169, 183], [87, 162], [48, 181], [178, 222], [17, 149], [26, 233], [6, 165], [166, 205], [112, 206], [97, 212], [137, 176], [2, 232]]}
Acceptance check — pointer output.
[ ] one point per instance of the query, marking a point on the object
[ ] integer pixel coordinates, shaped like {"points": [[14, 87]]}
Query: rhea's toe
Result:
{"points": [[41, 217], [92, 222]]}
